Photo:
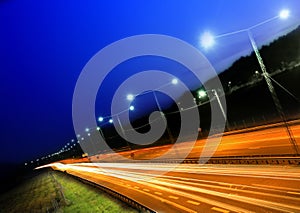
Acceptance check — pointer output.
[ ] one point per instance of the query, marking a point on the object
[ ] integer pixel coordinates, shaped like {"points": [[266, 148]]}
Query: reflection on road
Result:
{"points": [[198, 188]]}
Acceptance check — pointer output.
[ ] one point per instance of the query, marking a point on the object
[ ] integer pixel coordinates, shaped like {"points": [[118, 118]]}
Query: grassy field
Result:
{"points": [[57, 192]]}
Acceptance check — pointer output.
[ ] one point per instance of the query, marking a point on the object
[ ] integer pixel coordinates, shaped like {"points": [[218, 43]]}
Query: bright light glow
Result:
{"points": [[100, 119], [284, 14], [202, 93], [207, 40], [98, 128], [111, 121], [130, 97], [175, 81], [131, 108], [89, 134], [87, 129]]}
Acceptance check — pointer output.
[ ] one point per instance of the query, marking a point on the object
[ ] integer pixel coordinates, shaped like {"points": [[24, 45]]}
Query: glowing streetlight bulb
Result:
{"points": [[100, 119], [131, 108], [284, 14], [111, 121], [87, 129], [130, 97], [207, 40], [202, 93], [175, 81]]}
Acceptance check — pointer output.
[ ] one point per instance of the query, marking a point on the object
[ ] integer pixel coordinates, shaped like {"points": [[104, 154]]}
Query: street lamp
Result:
{"points": [[131, 108], [130, 97], [203, 94], [175, 81], [284, 14], [208, 40], [111, 120], [100, 119]]}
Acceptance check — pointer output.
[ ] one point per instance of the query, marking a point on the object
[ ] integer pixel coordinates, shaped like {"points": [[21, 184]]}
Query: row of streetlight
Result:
{"points": [[207, 40], [129, 97]]}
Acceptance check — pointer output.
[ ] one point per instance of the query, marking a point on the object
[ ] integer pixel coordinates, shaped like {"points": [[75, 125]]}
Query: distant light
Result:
{"points": [[78, 136], [100, 119], [131, 108], [72, 140], [111, 121], [207, 40], [202, 93], [98, 128], [130, 97], [25, 164], [284, 14], [89, 134], [175, 81], [68, 144], [87, 129], [82, 139]]}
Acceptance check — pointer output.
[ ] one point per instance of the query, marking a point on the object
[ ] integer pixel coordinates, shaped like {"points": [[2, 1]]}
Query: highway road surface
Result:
{"points": [[198, 188], [257, 141]]}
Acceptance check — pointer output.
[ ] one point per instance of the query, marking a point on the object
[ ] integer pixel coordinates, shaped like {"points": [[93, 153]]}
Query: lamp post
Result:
{"points": [[273, 94], [130, 97], [207, 40], [123, 131], [174, 82], [100, 119]]}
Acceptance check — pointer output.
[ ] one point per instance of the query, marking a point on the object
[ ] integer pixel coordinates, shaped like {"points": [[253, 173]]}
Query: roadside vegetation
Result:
{"points": [[51, 191]]}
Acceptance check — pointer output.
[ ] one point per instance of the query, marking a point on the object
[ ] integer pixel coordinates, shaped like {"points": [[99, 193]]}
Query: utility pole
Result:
{"points": [[273, 93]]}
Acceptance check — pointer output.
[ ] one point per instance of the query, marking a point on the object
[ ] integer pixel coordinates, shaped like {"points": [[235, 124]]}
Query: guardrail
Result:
{"points": [[270, 160], [238, 160], [131, 202]]}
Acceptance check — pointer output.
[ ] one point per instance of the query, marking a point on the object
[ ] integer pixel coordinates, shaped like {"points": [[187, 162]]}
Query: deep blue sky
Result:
{"points": [[45, 44]]}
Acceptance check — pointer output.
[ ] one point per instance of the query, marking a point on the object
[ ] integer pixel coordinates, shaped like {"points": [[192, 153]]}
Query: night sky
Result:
{"points": [[45, 45]]}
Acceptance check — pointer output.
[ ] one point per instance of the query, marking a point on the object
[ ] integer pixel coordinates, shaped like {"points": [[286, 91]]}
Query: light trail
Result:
{"points": [[264, 140], [194, 188]]}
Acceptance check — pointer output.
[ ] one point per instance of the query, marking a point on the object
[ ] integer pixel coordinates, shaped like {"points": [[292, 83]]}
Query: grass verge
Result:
{"points": [[52, 191], [84, 198]]}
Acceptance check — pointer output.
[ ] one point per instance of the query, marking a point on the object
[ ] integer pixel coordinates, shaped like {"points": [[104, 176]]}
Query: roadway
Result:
{"points": [[198, 188], [257, 141]]}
